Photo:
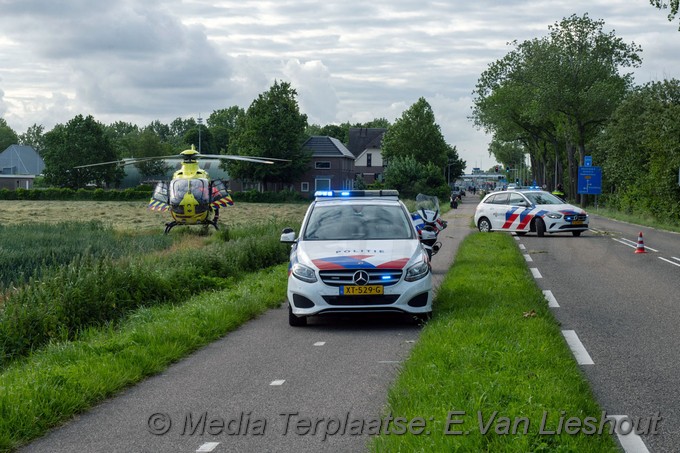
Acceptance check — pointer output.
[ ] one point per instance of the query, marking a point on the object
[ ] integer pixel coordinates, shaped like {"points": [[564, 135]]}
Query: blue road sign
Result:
{"points": [[588, 161], [590, 180]]}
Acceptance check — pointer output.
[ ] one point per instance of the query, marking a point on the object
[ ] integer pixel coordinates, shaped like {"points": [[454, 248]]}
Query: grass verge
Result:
{"points": [[495, 354], [63, 379], [635, 218]]}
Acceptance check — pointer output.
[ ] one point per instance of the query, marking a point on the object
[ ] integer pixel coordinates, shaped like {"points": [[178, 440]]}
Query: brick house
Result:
{"points": [[331, 166], [365, 145]]}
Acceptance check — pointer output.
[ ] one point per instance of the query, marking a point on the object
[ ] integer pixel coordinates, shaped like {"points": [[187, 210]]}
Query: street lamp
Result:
{"points": [[200, 121]]}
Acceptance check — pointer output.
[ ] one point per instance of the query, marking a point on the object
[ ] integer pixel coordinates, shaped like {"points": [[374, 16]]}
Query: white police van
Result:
{"points": [[357, 252]]}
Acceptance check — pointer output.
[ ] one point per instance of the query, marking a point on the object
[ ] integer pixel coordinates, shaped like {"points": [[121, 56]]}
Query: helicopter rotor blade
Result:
{"points": [[256, 159], [124, 161]]}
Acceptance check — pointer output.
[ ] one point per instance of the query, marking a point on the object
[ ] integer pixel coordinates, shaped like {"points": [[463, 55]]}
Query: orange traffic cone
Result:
{"points": [[640, 245]]}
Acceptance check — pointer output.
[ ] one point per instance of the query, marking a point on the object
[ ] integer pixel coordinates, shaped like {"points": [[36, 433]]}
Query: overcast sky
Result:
{"points": [[138, 61]]}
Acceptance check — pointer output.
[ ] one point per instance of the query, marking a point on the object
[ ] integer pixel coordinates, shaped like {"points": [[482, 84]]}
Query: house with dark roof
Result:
{"points": [[19, 164], [331, 166], [366, 146], [21, 160]]}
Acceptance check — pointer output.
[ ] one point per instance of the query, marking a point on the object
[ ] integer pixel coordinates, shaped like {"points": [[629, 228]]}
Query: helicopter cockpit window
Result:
{"points": [[200, 189]]}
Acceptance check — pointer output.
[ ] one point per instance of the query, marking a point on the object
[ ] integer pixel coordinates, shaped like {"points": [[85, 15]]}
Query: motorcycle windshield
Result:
{"points": [[427, 206]]}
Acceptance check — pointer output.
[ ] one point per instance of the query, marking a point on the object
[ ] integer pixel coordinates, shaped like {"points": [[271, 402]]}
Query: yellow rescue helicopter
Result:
{"points": [[191, 197]]}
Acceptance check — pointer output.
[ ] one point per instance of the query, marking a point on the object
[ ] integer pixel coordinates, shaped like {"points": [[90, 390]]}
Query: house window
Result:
{"points": [[369, 160], [304, 187], [322, 165], [322, 184]]}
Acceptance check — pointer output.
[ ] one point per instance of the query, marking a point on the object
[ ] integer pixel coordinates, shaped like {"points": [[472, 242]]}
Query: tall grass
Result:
{"points": [[28, 250], [95, 290]]}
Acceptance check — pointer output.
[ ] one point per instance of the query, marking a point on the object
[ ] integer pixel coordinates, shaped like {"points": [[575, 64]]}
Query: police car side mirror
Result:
{"points": [[288, 236]]}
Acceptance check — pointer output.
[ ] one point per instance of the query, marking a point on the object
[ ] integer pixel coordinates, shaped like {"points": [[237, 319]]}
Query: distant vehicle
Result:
{"points": [[458, 191], [524, 211], [358, 251]]}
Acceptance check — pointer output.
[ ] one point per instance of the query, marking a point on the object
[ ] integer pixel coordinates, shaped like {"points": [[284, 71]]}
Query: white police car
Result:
{"points": [[524, 211], [357, 252]]}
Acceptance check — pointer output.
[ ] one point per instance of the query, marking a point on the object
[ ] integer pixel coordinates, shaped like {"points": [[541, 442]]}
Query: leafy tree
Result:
{"points": [[201, 138], [81, 141], [410, 177], [556, 93], [222, 124], [178, 133], [272, 127], [33, 137], [161, 130], [455, 167], [7, 135], [122, 136], [149, 144], [416, 134], [672, 5], [640, 152]]}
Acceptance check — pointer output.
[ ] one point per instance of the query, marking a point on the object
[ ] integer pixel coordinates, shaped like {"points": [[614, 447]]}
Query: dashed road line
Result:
{"points": [[528, 258], [669, 261], [535, 272], [207, 447], [552, 302], [632, 244], [522, 247], [319, 343], [580, 353], [277, 382], [631, 442]]}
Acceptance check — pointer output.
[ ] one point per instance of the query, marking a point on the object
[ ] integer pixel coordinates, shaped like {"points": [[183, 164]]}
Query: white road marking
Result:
{"points": [[207, 447], [528, 259], [669, 261], [675, 258], [624, 242], [580, 354], [516, 237], [278, 382], [522, 247], [319, 343], [631, 442], [552, 302], [389, 361], [535, 272]]}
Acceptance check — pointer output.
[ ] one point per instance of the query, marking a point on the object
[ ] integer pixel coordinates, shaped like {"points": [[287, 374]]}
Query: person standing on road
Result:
{"points": [[559, 192]]}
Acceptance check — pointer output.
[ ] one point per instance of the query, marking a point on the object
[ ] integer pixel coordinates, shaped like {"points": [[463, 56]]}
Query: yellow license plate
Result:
{"points": [[367, 290], [577, 222]]}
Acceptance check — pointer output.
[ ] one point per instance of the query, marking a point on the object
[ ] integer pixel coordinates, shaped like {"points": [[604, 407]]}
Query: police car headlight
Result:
{"points": [[304, 273], [417, 271], [554, 215]]}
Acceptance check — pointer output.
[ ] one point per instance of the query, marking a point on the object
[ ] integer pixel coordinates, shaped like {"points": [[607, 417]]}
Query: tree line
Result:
{"points": [[564, 96], [272, 126]]}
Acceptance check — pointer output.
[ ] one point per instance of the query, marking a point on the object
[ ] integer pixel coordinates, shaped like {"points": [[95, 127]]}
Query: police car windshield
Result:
{"points": [[357, 222], [542, 198]]}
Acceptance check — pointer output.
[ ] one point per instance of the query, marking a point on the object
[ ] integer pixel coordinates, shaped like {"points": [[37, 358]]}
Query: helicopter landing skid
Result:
{"points": [[169, 225]]}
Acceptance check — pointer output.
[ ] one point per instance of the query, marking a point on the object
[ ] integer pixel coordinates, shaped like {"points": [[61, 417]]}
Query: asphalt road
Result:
{"points": [[265, 387], [625, 309]]}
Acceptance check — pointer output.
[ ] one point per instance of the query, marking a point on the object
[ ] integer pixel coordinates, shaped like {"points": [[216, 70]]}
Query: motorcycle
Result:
{"points": [[428, 222]]}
